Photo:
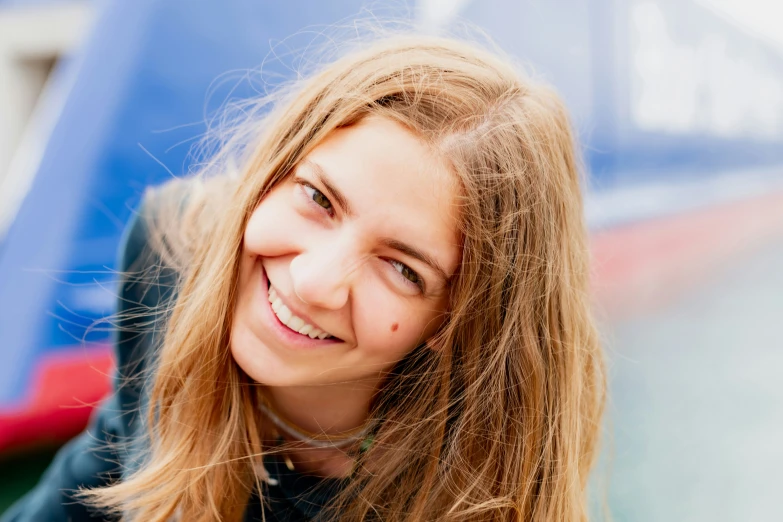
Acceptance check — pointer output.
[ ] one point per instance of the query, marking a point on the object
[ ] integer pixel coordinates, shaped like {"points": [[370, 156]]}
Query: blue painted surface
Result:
{"points": [[35, 3], [695, 391], [146, 68], [590, 52], [142, 80]]}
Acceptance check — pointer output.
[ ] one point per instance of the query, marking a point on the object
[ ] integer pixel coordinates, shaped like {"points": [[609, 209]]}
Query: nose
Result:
{"points": [[323, 276]]}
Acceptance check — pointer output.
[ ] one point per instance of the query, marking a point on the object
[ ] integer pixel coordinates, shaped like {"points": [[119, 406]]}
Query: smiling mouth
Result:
{"points": [[292, 322]]}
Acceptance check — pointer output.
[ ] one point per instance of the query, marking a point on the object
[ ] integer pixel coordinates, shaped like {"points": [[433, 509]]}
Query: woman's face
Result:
{"points": [[354, 251]]}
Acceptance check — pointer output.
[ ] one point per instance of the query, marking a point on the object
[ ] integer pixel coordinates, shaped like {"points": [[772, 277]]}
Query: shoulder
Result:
{"points": [[146, 289], [154, 256], [173, 220]]}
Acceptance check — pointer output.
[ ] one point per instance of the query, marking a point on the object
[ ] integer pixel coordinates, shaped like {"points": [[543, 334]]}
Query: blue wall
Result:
{"points": [[138, 92], [136, 100]]}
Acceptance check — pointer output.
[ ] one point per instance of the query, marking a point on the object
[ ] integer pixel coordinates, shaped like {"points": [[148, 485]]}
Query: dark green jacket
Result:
{"points": [[91, 459]]}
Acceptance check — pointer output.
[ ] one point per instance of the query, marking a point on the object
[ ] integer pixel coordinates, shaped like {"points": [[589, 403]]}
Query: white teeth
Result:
{"points": [[305, 329], [284, 314], [295, 323], [290, 320]]}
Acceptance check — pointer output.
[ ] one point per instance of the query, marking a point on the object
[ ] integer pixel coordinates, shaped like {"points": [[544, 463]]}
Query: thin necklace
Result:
{"points": [[362, 434]]}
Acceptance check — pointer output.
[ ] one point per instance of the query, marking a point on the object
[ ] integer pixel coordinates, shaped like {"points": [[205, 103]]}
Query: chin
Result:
{"points": [[256, 360]]}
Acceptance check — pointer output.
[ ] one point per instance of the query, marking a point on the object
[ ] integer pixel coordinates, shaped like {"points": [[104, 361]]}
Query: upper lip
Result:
{"points": [[299, 314]]}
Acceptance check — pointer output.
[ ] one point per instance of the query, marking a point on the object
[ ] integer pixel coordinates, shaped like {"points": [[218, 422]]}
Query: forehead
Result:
{"points": [[395, 185]]}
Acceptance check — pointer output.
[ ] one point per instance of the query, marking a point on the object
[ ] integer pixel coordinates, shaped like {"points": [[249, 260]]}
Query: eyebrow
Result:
{"points": [[394, 244], [416, 254], [338, 196]]}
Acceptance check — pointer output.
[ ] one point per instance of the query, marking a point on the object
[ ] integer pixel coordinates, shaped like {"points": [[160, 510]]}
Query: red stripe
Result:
{"points": [[65, 387], [637, 268]]}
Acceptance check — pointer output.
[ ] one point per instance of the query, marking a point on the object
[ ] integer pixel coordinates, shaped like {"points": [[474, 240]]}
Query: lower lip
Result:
{"points": [[286, 335]]}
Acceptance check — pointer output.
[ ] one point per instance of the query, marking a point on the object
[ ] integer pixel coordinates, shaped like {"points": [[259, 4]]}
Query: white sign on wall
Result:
{"points": [[700, 84]]}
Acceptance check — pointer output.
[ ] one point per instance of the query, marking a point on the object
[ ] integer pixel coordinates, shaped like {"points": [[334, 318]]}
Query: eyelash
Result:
{"points": [[307, 187], [419, 283]]}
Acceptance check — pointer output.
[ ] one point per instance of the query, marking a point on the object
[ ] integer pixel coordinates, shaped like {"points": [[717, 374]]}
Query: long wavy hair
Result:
{"points": [[498, 418]]}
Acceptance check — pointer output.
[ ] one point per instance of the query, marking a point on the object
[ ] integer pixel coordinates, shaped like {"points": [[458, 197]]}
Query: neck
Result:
{"points": [[330, 409], [323, 409]]}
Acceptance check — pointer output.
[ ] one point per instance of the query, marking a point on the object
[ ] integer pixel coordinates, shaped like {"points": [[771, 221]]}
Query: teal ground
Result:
{"points": [[696, 401]]}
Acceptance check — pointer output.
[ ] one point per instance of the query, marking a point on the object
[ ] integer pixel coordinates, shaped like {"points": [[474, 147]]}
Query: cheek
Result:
{"points": [[386, 327], [258, 228], [271, 225]]}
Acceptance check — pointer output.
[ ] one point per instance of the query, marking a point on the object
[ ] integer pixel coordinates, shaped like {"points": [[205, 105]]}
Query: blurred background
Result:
{"points": [[679, 107]]}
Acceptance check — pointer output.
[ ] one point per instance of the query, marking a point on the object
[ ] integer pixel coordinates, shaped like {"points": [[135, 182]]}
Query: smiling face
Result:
{"points": [[353, 250]]}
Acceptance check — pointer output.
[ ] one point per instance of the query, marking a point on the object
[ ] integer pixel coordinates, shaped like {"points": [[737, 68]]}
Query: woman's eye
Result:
{"points": [[318, 197], [408, 273]]}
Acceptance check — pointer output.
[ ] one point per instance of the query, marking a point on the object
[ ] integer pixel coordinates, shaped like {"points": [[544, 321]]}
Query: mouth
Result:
{"points": [[293, 323]]}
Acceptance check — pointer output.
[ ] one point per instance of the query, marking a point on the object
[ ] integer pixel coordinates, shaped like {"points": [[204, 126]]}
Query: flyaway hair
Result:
{"points": [[498, 419]]}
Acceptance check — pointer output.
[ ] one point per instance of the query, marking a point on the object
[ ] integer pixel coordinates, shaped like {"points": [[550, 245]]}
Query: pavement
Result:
{"points": [[695, 416]]}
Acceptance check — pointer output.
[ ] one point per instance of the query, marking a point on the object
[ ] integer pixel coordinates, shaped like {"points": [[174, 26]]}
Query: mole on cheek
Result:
{"points": [[394, 327]]}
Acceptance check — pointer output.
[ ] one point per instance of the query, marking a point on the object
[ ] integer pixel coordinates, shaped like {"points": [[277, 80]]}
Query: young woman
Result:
{"points": [[382, 315]]}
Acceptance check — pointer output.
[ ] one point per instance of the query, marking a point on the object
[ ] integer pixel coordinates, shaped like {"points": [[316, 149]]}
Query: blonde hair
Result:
{"points": [[501, 420]]}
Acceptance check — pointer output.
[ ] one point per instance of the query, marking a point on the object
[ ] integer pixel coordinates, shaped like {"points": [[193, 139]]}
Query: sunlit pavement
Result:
{"points": [[696, 400]]}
